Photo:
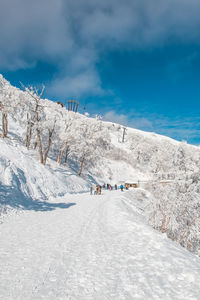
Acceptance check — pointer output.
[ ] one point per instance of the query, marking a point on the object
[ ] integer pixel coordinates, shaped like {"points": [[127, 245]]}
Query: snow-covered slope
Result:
{"points": [[25, 183], [95, 150], [93, 247]]}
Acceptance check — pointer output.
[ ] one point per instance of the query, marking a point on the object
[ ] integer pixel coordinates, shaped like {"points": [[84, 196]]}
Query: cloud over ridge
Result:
{"points": [[73, 34]]}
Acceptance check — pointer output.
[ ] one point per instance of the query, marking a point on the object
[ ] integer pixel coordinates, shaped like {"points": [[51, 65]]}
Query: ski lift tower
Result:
{"points": [[73, 105]]}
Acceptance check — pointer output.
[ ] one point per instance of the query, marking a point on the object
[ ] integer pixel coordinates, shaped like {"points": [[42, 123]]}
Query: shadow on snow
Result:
{"points": [[12, 198]]}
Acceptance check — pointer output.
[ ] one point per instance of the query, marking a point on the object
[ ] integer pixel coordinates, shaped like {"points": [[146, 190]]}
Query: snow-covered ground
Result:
{"points": [[27, 184], [92, 247]]}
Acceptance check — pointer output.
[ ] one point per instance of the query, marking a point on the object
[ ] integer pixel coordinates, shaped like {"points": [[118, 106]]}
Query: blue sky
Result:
{"points": [[136, 62]]}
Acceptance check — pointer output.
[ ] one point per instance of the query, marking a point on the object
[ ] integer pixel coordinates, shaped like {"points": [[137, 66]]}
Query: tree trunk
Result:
{"points": [[49, 143], [182, 236], [29, 135], [35, 145], [39, 142], [4, 124], [66, 154], [60, 155], [81, 165], [188, 228], [163, 223], [29, 131], [47, 149]]}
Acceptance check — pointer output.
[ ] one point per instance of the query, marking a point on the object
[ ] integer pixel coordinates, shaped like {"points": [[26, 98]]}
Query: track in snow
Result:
{"points": [[96, 249]]}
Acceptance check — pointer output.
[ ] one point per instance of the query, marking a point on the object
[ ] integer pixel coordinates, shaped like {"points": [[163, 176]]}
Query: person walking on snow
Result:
{"points": [[95, 189], [91, 189], [121, 187]]}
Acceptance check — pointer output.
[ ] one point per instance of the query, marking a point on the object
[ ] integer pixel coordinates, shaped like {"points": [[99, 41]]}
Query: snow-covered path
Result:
{"points": [[95, 247]]}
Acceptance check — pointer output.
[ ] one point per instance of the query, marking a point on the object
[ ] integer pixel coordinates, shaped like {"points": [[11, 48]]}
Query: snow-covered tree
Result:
{"points": [[6, 106], [44, 125], [89, 141], [175, 210], [65, 135]]}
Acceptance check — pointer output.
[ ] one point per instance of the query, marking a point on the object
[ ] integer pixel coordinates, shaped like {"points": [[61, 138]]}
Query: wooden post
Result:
{"points": [[73, 105], [124, 132]]}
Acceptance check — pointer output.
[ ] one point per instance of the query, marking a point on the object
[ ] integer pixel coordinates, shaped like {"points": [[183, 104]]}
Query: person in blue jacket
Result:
{"points": [[121, 187]]}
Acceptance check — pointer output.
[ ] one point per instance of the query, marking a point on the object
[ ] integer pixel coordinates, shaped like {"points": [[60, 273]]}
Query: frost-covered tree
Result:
{"points": [[65, 136], [4, 117], [6, 106], [43, 122], [9, 104], [175, 210], [89, 142]]}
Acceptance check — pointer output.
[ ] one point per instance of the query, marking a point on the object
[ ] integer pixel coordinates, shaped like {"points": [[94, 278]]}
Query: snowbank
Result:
{"points": [[25, 183]]}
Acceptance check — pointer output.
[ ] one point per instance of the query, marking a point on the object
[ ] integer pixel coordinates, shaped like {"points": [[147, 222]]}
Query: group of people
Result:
{"points": [[96, 189]]}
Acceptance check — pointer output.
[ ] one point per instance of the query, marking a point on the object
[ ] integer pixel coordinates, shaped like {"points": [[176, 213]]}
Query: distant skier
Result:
{"points": [[115, 187], [121, 187]]}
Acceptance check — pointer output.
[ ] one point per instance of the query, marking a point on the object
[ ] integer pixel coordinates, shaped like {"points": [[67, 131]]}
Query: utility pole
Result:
{"points": [[124, 133]]}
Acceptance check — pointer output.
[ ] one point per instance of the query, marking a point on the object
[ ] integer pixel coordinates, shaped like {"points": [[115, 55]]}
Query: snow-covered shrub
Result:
{"points": [[175, 209]]}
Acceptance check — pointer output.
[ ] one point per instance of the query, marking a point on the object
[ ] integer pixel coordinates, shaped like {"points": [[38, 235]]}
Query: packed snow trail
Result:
{"points": [[96, 247]]}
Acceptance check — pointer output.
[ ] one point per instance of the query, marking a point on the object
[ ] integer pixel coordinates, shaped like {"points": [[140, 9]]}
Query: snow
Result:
{"points": [[111, 172], [59, 242], [25, 183], [92, 247]]}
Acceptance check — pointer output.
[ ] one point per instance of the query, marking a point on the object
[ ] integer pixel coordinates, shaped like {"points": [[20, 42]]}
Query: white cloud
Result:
{"points": [[76, 86], [112, 116], [127, 120], [73, 33]]}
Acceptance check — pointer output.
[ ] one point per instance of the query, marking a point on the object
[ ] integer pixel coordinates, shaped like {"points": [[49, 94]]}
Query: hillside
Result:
{"points": [[49, 152]]}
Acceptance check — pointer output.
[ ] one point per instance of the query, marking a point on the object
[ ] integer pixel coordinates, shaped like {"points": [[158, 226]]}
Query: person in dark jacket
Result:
{"points": [[91, 190]]}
